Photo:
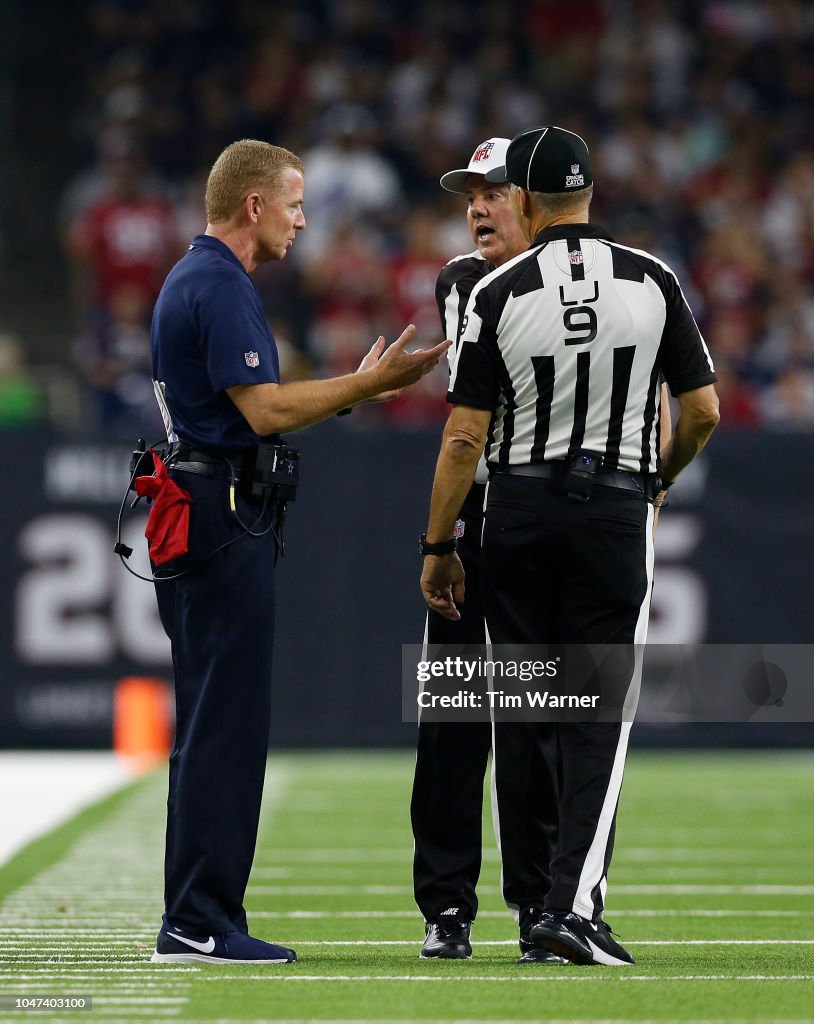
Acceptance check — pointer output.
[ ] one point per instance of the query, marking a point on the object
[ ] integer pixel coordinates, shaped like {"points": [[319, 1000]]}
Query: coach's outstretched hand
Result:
{"points": [[397, 368]]}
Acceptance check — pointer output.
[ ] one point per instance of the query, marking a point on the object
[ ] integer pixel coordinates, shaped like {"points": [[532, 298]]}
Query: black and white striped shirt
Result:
{"points": [[452, 291], [568, 344]]}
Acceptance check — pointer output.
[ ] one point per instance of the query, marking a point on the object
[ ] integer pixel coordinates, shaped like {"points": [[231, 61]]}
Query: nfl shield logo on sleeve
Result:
{"points": [[252, 358]]}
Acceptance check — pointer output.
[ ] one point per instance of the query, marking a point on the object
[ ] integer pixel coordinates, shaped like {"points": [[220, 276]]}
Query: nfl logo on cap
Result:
{"points": [[252, 358]]}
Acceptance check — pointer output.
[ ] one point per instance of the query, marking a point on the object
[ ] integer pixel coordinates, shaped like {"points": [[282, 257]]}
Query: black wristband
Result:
{"points": [[665, 484], [442, 547]]}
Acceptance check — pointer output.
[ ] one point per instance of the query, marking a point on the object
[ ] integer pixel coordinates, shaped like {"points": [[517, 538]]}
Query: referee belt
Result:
{"points": [[647, 485]]}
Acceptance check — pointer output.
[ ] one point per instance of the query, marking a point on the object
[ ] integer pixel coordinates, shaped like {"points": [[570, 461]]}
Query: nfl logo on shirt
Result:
{"points": [[252, 358]]}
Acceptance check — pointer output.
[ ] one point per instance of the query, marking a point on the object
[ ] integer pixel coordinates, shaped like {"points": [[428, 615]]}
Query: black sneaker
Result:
{"points": [[581, 941], [447, 937], [533, 952]]}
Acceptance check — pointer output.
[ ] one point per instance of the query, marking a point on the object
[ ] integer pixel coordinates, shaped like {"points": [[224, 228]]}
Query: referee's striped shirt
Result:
{"points": [[452, 291], [568, 344]]}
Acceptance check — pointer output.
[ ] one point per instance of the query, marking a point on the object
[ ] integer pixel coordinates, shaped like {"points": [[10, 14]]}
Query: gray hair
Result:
{"points": [[553, 204]]}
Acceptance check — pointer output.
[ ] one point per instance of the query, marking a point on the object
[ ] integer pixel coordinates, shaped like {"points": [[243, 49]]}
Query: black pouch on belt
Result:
{"points": [[579, 478], [276, 472]]}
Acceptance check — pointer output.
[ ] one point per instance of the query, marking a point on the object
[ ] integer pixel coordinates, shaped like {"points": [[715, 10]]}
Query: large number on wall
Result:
{"points": [[75, 604]]}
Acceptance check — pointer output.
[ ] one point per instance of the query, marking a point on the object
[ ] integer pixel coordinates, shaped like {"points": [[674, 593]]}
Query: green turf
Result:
{"points": [[711, 889]]}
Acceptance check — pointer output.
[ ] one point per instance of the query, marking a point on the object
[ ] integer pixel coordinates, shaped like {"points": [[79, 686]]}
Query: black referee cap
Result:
{"points": [[548, 159]]}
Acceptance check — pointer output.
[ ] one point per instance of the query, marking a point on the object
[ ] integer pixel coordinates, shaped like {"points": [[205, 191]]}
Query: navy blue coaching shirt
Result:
{"points": [[209, 333]]}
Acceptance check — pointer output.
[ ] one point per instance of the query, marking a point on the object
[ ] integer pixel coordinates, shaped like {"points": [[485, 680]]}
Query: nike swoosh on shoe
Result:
{"points": [[203, 947]]}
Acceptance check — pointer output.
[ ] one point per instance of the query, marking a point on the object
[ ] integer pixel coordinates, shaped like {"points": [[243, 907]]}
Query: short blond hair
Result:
{"points": [[241, 168]]}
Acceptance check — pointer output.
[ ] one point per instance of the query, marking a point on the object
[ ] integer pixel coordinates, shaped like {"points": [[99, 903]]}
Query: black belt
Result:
{"points": [[217, 467], [645, 484]]}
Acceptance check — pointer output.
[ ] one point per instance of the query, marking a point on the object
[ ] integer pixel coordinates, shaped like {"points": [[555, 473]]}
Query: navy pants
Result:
{"points": [[220, 620]]}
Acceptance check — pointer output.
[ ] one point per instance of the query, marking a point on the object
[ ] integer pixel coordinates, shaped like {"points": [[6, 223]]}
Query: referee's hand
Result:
{"points": [[398, 368], [442, 584]]}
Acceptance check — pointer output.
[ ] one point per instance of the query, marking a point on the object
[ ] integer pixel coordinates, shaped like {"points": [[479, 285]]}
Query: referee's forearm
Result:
{"points": [[687, 441], [461, 449]]}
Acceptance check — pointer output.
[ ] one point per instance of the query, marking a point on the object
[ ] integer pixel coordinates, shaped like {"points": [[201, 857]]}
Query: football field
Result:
{"points": [[711, 889]]}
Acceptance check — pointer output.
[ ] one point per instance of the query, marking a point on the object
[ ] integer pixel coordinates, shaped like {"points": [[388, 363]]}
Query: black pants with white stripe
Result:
{"points": [[451, 757], [560, 571]]}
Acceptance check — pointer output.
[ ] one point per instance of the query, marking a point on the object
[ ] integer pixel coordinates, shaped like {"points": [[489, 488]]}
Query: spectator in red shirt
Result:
{"points": [[126, 238]]}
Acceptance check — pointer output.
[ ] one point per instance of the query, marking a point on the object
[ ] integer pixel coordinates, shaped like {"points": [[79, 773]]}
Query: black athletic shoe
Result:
{"points": [[533, 952], [176, 947], [581, 941], [447, 938]]}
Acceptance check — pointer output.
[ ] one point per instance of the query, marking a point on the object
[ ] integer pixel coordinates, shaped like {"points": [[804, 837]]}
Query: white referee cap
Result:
{"points": [[488, 156]]}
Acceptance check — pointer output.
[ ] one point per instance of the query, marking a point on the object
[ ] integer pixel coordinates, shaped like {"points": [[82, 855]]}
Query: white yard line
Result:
{"points": [[506, 914], [570, 975], [46, 954], [549, 1020], [39, 951]]}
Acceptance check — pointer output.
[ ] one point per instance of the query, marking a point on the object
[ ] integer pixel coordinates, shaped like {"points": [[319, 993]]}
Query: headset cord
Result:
{"points": [[245, 530]]}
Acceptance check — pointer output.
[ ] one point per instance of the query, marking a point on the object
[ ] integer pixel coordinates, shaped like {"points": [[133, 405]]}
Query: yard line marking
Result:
{"points": [[48, 955], [40, 944], [569, 976], [68, 930], [570, 1020], [506, 914], [697, 912], [149, 969], [135, 998], [713, 890], [72, 987], [513, 942]]}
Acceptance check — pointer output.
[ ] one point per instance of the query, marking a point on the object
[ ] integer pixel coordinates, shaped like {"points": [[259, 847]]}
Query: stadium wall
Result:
{"points": [[733, 566]]}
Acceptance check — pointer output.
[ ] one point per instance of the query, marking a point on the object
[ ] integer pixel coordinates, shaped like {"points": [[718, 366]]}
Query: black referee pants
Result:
{"points": [[447, 802], [560, 571], [451, 758]]}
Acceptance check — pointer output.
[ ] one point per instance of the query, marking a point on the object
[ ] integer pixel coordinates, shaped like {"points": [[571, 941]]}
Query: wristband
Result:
{"points": [[443, 547]]}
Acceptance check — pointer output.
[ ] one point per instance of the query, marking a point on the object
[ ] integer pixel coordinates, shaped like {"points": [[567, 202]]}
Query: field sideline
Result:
{"points": [[711, 889]]}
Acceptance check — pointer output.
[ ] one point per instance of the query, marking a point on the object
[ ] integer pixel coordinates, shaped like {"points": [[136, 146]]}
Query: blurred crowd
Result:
{"points": [[698, 116]]}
